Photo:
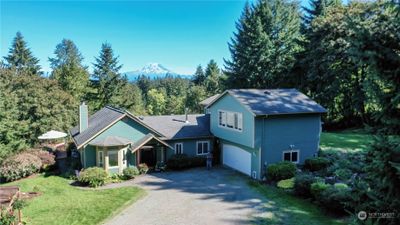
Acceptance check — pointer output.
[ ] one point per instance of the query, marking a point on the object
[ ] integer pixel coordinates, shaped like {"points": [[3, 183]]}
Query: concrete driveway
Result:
{"points": [[196, 196]]}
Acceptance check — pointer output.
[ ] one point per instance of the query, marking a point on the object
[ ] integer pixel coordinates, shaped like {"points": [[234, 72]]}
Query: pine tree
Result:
{"points": [[263, 49], [199, 76], [212, 82], [20, 56], [106, 70], [317, 8], [68, 70]]}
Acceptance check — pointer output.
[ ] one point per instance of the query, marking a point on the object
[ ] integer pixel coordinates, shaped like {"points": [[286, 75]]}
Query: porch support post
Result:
{"points": [[138, 157], [105, 159], [162, 153]]}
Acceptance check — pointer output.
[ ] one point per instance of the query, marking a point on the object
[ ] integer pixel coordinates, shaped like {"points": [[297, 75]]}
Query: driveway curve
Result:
{"points": [[196, 196]]}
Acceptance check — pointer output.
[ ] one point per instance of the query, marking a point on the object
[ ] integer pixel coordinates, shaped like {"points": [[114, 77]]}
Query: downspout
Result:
{"points": [[262, 145]]}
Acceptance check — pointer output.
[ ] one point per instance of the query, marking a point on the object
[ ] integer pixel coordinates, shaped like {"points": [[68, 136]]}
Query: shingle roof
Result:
{"points": [[207, 101], [174, 126], [97, 122], [275, 101], [111, 141], [142, 141]]}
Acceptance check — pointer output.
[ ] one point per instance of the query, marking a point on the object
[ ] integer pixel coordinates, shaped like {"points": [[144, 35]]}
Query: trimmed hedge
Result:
{"points": [[316, 164], [317, 188], [286, 184], [335, 199], [93, 176], [302, 184], [281, 171], [130, 172], [20, 166], [182, 161]]}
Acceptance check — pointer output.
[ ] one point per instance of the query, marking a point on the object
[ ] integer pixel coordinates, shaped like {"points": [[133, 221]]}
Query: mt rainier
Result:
{"points": [[153, 70]]}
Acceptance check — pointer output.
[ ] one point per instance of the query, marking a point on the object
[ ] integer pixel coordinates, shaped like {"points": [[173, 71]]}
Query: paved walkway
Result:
{"points": [[196, 196]]}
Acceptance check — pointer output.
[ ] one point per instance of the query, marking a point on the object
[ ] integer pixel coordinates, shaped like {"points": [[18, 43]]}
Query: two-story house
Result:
{"points": [[247, 128]]}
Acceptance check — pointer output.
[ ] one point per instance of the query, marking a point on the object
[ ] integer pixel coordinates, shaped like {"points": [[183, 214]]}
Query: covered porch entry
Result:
{"points": [[150, 150]]}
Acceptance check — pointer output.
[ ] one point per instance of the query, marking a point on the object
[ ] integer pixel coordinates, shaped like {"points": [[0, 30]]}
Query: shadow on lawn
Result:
{"points": [[223, 185]]}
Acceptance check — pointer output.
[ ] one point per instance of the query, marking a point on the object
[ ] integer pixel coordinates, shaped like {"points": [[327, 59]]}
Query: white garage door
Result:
{"points": [[236, 158]]}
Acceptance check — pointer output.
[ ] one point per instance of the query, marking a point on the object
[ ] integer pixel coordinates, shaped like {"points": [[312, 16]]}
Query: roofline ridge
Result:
{"points": [[115, 108]]}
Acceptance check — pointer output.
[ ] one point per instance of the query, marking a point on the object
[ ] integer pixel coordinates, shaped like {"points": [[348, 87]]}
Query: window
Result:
{"points": [[222, 118], [291, 156], [113, 158], [203, 147], [231, 120], [100, 158], [178, 148]]}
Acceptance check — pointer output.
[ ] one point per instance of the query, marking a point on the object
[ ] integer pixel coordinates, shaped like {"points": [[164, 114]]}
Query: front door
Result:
{"points": [[148, 156]]}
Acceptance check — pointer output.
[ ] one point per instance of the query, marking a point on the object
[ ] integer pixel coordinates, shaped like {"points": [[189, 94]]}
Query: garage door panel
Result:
{"points": [[236, 158]]}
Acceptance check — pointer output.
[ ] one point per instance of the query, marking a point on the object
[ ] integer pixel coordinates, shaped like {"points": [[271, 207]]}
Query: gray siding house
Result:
{"points": [[247, 128]]}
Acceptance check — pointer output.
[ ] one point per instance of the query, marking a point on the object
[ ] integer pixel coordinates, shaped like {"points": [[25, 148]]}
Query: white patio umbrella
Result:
{"points": [[53, 134]]}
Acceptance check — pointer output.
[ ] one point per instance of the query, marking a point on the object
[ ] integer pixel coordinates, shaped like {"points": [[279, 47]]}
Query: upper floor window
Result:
{"points": [[179, 148], [291, 156], [231, 120]]}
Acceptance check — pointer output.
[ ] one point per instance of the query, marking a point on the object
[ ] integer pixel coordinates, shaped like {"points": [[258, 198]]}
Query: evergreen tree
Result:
{"points": [[317, 8], [195, 95], [263, 49], [106, 70], [212, 82], [199, 76], [68, 70], [20, 56]]}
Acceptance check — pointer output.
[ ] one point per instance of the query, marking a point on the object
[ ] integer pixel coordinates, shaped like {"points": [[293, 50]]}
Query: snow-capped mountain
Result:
{"points": [[152, 70]]}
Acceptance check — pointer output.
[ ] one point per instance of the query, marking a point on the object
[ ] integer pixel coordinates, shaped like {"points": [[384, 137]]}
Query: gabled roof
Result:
{"points": [[274, 101], [207, 101], [174, 126], [110, 141], [142, 141], [100, 121]]}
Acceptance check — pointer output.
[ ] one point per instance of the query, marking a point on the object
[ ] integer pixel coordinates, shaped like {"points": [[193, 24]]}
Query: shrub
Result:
{"points": [[281, 171], [302, 184], [335, 199], [316, 164], [143, 168], [19, 166], [341, 186], [46, 157], [343, 174], [286, 184], [197, 161], [317, 188], [130, 172], [178, 162], [93, 176]]}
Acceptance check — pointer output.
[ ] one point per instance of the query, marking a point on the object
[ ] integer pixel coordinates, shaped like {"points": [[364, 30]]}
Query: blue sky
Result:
{"points": [[178, 34]]}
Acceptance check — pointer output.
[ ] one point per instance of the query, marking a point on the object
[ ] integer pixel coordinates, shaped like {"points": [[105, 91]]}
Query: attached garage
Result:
{"points": [[236, 158]]}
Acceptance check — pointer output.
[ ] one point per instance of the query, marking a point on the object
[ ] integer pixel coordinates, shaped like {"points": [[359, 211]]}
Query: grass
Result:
{"points": [[62, 204], [283, 208], [352, 140]]}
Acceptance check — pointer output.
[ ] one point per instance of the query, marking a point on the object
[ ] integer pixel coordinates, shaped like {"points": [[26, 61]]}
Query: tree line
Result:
{"points": [[344, 56], [31, 103]]}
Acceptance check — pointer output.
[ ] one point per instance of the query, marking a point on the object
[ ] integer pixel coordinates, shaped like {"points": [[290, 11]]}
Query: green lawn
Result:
{"points": [[283, 208], [345, 140], [62, 203]]}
